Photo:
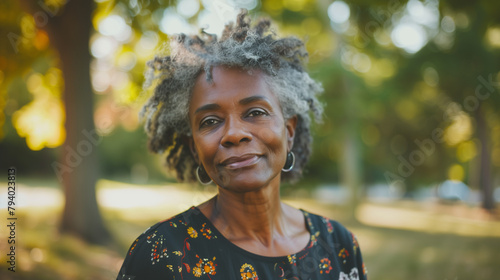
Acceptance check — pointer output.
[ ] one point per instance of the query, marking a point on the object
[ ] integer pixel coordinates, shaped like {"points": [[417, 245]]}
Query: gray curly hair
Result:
{"points": [[243, 46]]}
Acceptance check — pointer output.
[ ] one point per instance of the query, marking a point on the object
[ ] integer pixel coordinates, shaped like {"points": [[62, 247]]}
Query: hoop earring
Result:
{"points": [[289, 166], [199, 177]]}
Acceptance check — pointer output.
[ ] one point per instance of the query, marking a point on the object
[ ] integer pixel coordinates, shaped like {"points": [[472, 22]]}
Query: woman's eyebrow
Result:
{"points": [[244, 101], [207, 107], [252, 99]]}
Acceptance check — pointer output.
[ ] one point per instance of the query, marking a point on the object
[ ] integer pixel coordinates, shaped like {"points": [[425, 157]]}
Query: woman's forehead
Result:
{"points": [[230, 83]]}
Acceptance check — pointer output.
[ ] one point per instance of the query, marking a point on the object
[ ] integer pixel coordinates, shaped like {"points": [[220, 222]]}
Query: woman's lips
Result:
{"points": [[240, 162]]}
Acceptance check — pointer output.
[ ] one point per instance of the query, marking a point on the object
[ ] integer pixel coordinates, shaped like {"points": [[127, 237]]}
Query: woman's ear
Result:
{"points": [[290, 125], [192, 147]]}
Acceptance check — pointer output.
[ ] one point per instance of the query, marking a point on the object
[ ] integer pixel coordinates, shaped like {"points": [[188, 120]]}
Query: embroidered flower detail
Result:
{"points": [[188, 268], [279, 271], [364, 269], [325, 266], [192, 232], [355, 244], [204, 266], [304, 256], [309, 222], [248, 273], [329, 227], [177, 253], [197, 271], [292, 259], [150, 237], [343, 253], [314, 239], [158, 251], [343, 276], [353, 275], [207, 232], [328, 224], [133, 246]]}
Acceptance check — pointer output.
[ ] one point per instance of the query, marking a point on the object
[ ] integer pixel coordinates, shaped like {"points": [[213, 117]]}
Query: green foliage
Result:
{"points": [[401, 99]]}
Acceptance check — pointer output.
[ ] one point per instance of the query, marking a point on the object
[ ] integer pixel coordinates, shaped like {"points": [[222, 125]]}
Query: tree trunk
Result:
{"points": [[351, 172], [69, 28], [351, 169], [485, 178]]}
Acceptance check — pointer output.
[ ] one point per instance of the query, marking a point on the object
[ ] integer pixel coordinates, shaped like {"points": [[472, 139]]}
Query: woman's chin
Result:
{"points": [[245, 182]]}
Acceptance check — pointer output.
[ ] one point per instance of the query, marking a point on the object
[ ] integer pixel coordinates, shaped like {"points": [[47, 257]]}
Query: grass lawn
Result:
{"points": [[398, 241]]}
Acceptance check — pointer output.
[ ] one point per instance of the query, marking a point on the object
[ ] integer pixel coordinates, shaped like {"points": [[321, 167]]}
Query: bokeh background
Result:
{"points": [[408, 154]]}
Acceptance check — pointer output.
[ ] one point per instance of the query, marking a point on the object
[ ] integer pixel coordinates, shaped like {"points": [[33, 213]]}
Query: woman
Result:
{"points": [[234, 112]]}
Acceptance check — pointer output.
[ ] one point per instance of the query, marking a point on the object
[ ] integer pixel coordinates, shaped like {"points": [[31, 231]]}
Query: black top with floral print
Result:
{"points": [[188, 246]]}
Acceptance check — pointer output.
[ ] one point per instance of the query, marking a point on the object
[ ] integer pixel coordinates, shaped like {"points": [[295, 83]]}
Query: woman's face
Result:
{"points": [[239, 133]]}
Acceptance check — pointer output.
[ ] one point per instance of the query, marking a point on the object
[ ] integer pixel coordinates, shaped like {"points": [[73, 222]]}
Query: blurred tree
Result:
{"points": [[470, 71], [69, 26], [443, 93]]}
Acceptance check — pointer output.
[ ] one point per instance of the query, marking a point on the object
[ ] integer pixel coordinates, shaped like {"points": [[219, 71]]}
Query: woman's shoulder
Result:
{"points": [[173, 225], [319, 222], [336, 238], [329, 229], [160, 245]]}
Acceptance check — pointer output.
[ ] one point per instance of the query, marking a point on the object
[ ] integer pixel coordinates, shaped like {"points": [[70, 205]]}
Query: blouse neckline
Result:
{"points": [[222, 238]]}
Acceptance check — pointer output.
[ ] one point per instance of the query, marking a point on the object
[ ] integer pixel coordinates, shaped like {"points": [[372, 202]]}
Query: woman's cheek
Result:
{"points": [[207, 148], [271, 131], [266, 134]]}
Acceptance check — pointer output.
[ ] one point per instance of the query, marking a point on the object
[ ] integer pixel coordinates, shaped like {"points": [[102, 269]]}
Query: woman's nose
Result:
{"points": [[235, 132]]}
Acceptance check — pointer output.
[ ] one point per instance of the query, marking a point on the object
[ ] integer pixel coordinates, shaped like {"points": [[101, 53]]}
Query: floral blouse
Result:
{"points": [[188, 246]]}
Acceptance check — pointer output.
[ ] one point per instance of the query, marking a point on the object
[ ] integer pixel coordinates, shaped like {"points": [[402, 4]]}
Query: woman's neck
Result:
{"points": [[258, 221], [258, 215]]}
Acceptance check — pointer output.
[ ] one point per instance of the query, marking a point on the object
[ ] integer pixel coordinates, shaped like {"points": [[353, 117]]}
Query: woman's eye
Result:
{"points": [[209, 122], [255, 113]]}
